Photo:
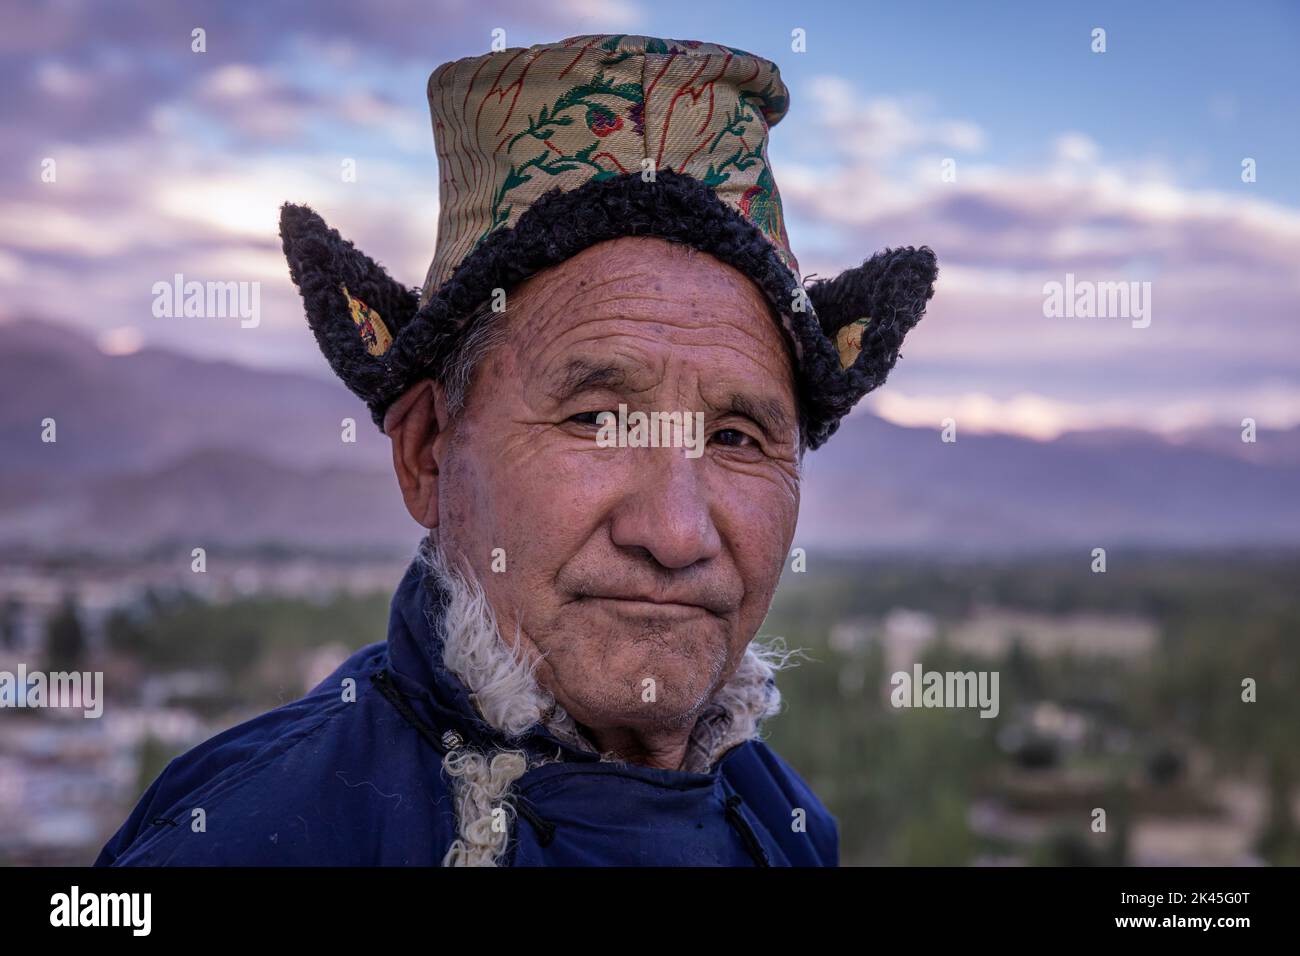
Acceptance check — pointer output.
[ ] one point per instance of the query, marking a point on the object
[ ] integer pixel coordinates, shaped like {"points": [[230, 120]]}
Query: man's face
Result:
{"points": [[637, 575]]}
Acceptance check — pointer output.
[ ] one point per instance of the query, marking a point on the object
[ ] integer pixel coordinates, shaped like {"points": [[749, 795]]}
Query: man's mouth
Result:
{"points": [[646, 606]]}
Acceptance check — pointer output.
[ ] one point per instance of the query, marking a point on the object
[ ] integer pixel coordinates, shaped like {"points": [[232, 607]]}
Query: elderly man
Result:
{"points": [[571, 674]]}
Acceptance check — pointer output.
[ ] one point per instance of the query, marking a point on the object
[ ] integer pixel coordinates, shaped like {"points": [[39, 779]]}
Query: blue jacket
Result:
{"points": [[325, 781]]}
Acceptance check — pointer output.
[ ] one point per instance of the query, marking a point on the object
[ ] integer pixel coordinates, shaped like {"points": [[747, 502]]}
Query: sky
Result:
{"points": [[1117, 166]]}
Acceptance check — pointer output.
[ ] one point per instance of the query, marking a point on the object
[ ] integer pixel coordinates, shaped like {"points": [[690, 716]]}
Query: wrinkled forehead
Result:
{"points": [[649, 297]]}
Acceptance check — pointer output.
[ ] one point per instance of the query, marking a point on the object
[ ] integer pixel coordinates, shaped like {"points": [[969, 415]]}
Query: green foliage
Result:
{"points": [[10, 612], [901, 783], [65, 642], [245, 639]]}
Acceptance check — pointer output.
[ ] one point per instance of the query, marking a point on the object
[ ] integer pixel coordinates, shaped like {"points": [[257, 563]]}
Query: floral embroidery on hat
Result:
{"points": [[593, 108], [603, 121]]}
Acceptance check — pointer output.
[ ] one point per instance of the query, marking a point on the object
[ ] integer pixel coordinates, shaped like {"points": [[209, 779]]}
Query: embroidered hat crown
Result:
{"points": [[512, 125]]}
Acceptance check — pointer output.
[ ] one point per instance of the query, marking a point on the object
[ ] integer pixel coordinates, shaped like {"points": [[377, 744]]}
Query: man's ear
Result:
{"points": [[414, 423]]}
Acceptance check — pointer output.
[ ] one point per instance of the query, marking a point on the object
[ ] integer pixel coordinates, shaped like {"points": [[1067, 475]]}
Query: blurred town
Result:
{"points": [[66, 781], [1119, 691]]}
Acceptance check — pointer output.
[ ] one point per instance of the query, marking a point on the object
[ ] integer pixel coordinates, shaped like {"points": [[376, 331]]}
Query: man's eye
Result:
{"points": [[594, 419], [732, 438]]}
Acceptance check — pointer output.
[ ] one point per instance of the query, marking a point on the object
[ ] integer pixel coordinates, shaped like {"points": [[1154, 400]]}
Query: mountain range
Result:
{"points": [[155, 449]]}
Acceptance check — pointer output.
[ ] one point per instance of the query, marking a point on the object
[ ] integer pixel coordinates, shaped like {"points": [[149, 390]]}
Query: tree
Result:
{"points": [[65, 641]]}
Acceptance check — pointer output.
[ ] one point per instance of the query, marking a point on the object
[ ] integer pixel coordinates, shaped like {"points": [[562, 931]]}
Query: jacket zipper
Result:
{"points": [[747, 836]]}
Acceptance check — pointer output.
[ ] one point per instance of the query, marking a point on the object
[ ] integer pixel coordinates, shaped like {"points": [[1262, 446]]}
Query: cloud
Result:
{"points": [[1044, 417], [170, 161], [1223, 267], [876, 128], [122, 217], [84, 70]]}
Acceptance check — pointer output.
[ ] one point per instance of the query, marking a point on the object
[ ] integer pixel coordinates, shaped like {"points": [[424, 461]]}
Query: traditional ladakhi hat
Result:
{"points": [[545, 151]]}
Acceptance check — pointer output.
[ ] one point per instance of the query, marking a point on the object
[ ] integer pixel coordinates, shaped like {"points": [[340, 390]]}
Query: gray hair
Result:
{"points": [[487, 330]]}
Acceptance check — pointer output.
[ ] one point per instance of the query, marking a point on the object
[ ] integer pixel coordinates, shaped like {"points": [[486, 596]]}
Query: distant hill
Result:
{"points": [[879, 485], [157, 447], [124, 412]]}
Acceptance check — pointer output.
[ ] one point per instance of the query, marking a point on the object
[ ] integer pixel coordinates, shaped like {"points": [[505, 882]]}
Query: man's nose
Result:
{"points": [[666, 511]]}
